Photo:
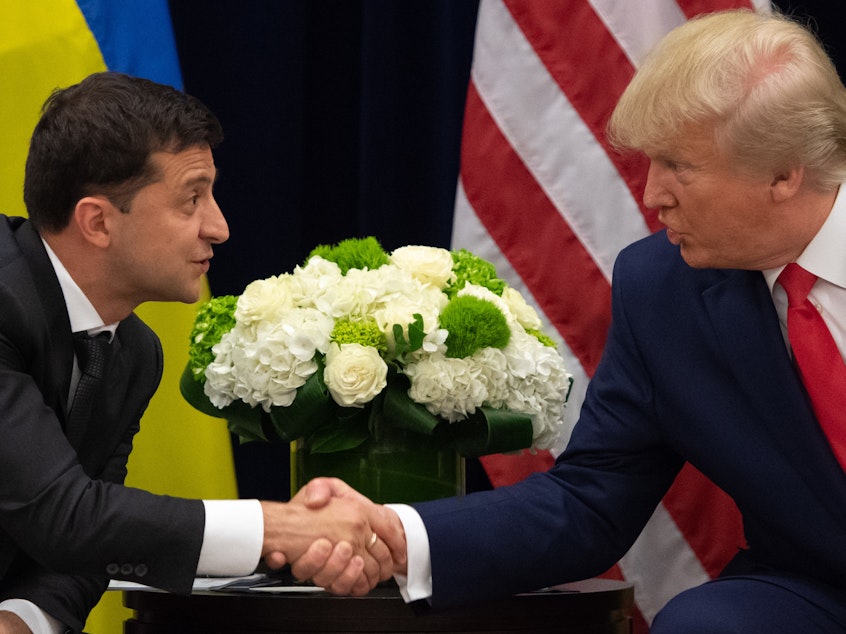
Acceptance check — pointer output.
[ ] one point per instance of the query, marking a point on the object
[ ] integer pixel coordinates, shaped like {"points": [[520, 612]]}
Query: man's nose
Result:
{"points": [[215, 228], [655, 193]]}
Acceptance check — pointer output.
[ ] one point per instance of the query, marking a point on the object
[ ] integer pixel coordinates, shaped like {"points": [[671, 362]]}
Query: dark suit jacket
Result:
{"points": [[66, 523], [695, 368]]}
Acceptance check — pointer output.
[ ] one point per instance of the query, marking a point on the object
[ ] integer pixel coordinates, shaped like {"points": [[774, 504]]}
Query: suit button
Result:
{"points": [[140, 570], [112, 569], [126, 569]]}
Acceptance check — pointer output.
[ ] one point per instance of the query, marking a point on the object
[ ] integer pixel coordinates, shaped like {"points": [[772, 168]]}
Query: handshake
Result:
{"points": [[332, 534]]}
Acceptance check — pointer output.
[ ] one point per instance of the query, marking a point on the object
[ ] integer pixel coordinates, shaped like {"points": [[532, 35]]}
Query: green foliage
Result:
{"points": [[473, 324], [471, 269], [416, 334], [353, 253], [365, 332], [541, 336], [214, 319]]}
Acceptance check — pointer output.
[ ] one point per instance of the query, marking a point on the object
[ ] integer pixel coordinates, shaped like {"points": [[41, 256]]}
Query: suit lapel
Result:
{"points": [[59, 349], [752, 343]]}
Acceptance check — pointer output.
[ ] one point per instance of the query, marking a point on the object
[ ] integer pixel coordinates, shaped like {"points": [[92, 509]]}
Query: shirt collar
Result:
{"points": [[824, 256], [81, 312]]}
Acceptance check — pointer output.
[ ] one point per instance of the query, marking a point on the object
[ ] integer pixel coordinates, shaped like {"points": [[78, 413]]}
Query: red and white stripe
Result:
{"points": [[543, 197]]}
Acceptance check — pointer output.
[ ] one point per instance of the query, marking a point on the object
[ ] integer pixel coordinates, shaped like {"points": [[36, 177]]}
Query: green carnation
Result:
{"points": [[365, 332], [214, 319], [353, 253], [471, 269], [473, 324], [544, 338]]}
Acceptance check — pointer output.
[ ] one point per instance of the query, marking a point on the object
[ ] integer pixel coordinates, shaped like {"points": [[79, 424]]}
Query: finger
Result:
{"points": [[372, 569], [331, 487], [380, 552], [351, 580], [361, 586], [313, 559], [275, 560], [316, 494], [387, 524], [340, 560]]}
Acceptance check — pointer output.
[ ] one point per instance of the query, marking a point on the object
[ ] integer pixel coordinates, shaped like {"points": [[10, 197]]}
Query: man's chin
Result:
{"points": [[695, 259]]}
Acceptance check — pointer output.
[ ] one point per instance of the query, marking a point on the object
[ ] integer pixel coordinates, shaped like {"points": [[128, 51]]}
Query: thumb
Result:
{"points": [[318, 492]]}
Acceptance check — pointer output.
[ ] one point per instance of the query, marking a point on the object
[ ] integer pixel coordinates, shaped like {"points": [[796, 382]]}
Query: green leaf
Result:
{"points": [[248, 430], [416, 334], [312, 407], [491, 431], [401, 411], [348, 432]]}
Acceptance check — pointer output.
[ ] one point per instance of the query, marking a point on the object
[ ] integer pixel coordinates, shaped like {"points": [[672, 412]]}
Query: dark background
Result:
{"points": [[342, 118]]}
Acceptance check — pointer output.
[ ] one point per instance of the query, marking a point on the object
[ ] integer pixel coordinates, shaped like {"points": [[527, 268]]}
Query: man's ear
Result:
{"points": [[786, 183], [91, 216]]}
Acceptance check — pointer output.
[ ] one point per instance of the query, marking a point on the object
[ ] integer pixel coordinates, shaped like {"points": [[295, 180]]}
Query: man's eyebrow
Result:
{"points": [[201, 179]]}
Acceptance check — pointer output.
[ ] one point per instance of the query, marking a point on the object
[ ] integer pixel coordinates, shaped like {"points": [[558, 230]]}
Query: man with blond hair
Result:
{"points": [[743, 119]]}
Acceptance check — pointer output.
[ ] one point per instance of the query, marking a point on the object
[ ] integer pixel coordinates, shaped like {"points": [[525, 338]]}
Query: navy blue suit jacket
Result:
{"points": [[695, 368], [66, 524]]}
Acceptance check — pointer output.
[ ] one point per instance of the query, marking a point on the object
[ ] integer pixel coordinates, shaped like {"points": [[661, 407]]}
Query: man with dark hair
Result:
{"points": [[119, 191]]}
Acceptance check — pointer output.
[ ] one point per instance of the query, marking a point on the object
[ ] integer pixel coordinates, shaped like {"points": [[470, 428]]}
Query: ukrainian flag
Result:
{"points": [[45, 44]]}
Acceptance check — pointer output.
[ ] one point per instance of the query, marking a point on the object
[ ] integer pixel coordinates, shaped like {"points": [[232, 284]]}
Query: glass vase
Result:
{"points": [[400, 466]]}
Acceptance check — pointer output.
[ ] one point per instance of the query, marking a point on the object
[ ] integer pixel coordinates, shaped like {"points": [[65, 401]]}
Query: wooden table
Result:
{"points": [[596, 606]]}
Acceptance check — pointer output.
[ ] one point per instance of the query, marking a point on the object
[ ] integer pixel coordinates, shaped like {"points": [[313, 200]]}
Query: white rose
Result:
{"points": [[354, 374], [263, 300], [430, 265], [526, 315]]}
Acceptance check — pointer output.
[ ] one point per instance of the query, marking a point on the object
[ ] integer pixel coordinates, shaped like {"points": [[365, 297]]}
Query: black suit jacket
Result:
{"points": [[66, 522], [695, 368]]}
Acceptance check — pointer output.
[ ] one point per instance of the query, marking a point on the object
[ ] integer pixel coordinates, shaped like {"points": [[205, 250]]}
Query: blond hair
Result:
{"points": [[762, 83]]}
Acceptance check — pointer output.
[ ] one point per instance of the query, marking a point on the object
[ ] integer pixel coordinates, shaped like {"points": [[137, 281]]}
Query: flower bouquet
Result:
{"points": [[365, 358]]}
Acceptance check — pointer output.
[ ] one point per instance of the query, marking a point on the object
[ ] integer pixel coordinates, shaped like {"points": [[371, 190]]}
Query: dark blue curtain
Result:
{"points": [[342, 118]]}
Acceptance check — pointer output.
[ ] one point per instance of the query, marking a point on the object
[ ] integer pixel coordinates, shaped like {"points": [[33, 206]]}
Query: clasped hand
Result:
{"points": [[335, 536]]}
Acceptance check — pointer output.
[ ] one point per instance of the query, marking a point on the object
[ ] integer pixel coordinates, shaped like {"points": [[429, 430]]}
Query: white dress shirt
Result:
{"points": [[234, 529], [825, 257]]}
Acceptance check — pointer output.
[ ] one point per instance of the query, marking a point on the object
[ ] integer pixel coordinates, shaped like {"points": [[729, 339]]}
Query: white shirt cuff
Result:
{"points": [[35, 618], [417, 584], [232, 538]]}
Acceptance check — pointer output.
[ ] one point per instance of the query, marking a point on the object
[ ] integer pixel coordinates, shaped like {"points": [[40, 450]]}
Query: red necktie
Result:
{"points": [[817, 357]]}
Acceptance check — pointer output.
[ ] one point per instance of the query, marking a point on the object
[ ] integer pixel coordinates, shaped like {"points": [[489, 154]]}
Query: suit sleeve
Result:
{"points": [[68, 598], [69, 522], [576, 520]]}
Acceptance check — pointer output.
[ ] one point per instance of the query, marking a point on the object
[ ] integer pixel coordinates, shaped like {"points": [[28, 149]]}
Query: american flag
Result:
{"points": [[542, 195]]}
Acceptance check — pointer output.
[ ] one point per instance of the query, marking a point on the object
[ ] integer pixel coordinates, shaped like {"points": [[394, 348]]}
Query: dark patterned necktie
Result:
{"points": [[91, 355], [817, 357]]}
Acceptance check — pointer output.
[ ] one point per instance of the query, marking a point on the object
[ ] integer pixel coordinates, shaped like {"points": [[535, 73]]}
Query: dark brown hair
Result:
{"points": [[96, 137]]}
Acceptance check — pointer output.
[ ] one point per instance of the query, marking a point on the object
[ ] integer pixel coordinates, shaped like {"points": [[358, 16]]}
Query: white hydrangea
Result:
{"points": [[538, 384], [264, 363], [283, 323], [309, 283], [449, 388], [525, 377]]}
